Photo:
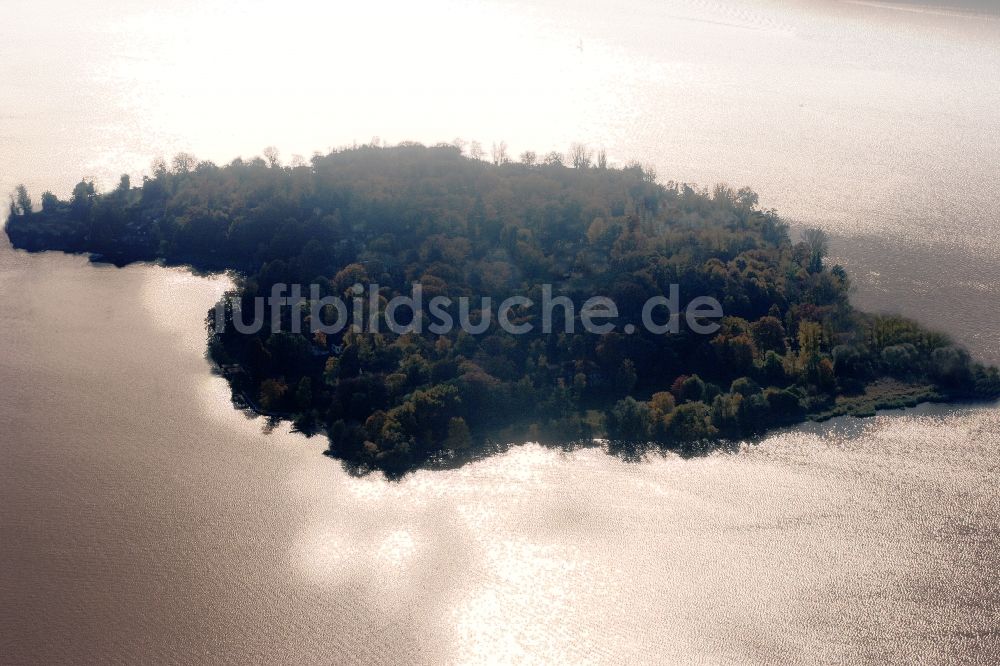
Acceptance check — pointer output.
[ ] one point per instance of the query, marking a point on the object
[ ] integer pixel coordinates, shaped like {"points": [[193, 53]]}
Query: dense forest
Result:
{"points": [[790, 346]]}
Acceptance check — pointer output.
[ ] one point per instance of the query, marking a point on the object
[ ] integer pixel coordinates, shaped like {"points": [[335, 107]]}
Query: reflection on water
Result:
{"points": [[143, 519]]}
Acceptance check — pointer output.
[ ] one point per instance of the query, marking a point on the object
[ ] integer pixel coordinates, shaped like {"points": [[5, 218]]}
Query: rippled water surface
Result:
{"points": [[143, 519]]}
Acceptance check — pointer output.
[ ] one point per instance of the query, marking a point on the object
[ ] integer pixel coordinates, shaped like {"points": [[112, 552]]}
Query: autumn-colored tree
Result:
{"points": [[272, 393], [769, 334]]}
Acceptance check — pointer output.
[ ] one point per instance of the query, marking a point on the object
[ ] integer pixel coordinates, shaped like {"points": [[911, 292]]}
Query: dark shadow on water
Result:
{"points": [[195, 265], [196, 268], [628, 452], [640, 452]]}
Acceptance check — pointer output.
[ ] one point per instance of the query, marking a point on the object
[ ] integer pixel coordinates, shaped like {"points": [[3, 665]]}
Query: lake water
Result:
{"points": [[143, 519]]}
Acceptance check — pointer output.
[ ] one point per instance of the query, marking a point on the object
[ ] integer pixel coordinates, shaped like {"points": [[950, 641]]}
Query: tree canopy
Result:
{"points": [[790, 345]]}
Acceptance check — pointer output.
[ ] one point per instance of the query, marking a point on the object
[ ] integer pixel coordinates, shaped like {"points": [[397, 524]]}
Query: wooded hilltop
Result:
{"points": [[790, 347]]}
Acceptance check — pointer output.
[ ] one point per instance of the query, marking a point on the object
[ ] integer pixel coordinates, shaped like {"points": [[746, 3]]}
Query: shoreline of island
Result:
{"points": [[790, 348]]}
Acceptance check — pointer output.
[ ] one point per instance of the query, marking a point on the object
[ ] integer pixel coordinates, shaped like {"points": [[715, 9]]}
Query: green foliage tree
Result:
{"points": [[952, 368], [82, 199], [744, 386], [901, 360], [692, 389], [303, 394], [50, 203], [23, 201], [459, 437], [690, 425], [629, 420]]}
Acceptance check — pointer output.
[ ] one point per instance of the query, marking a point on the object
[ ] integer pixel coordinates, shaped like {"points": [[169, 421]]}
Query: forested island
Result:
{"points": [[789, 348]]}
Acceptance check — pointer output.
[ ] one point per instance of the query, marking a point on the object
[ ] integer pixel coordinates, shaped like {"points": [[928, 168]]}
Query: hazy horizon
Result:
{"points": [[145, 519]]}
